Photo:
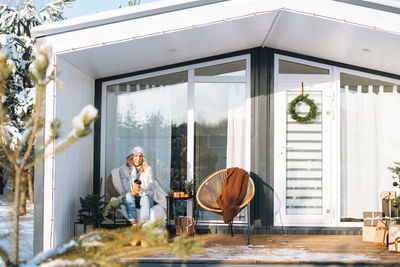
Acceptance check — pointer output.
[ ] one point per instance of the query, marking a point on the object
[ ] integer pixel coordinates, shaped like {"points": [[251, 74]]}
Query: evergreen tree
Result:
{"points": [[18, 90], [133, 2], [16, 22]]}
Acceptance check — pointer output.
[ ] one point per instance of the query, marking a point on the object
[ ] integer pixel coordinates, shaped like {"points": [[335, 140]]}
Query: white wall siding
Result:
{"points": [[73, 168]]}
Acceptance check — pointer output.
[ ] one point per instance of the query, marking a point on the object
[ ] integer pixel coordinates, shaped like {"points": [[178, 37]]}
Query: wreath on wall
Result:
{"points": [[312, 113]]}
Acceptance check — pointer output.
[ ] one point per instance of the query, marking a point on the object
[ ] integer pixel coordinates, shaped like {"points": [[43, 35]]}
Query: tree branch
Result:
{"points": [[61, 146], [3, 133], [39, 104], [6, 166]]}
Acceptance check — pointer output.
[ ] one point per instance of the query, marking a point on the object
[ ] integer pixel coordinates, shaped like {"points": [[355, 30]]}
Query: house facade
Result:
{"points": [[206, 85]]}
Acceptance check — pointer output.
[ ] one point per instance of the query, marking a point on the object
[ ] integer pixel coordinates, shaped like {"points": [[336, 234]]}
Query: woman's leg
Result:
{"points": [[129, 201], [146, 203]]}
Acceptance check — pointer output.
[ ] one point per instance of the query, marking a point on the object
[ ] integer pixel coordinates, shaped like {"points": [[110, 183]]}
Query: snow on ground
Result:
{"points": [[54, 252], [6, 227], [263, 254]]}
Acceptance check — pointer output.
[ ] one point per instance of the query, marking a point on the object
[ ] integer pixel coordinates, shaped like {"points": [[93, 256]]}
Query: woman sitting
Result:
{"points": [[137, 187]]}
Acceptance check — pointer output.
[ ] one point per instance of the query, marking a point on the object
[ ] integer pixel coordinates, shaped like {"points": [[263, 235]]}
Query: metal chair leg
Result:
{"points": [[248, 224], [196, 213], [231, 227]]}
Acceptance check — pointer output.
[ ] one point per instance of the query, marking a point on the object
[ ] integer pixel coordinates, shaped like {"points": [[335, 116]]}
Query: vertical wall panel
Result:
{"points": [[73, 173], [261, 138]]}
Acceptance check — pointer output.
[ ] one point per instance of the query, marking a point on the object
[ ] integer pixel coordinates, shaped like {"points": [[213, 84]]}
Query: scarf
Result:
{"points": [[128, 175]]}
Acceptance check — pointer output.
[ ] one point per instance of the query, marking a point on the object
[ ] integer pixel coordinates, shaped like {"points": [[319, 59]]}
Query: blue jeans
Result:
{"points": [[146, 203]]}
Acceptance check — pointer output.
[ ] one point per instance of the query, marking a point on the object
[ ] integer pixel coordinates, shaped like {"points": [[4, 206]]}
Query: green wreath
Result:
{"points": [[312, 113]]}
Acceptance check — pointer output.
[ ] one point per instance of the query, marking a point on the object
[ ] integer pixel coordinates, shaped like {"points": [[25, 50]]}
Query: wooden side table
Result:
{"points": [[173, 210]]}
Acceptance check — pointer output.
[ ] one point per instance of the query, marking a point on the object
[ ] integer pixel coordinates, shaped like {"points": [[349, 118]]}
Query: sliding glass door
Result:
{"points": [[220, 93], [191, 121], [220, 130]]}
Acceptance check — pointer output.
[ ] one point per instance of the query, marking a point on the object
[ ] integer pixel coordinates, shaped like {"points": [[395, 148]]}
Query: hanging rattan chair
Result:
{"points": [[211, 188]]}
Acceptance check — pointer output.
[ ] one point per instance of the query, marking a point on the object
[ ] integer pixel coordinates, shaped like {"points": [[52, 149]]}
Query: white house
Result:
{"points": [[205, 84]]}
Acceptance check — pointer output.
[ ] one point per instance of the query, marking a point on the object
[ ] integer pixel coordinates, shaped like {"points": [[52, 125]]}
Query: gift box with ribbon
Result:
{"points": [[387, 194], [371, 218], [387, 204], [376, 234], [394, 236], [381, 233]]}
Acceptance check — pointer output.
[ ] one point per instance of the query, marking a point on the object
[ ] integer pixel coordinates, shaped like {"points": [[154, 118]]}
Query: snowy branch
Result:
{"points": [[49, 253]]}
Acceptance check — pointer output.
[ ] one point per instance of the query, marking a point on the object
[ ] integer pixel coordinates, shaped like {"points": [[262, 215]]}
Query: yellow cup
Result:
{"points": [[134, 187]]}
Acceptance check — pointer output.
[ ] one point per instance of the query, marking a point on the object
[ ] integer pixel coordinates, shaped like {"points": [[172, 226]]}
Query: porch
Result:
{"points": [[315, 250], [96, 60]]}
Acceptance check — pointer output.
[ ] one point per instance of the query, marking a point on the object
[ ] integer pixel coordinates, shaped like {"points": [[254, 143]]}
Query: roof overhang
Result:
{"points": [[329, 30]]}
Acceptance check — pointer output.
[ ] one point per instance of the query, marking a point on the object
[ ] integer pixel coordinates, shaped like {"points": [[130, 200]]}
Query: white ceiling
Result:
{"points": [[337, 41], [306, 34], [170, 48]]}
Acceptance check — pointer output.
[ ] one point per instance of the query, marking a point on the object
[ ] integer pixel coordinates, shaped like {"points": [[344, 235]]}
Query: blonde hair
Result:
{"points": [[142, 167]]}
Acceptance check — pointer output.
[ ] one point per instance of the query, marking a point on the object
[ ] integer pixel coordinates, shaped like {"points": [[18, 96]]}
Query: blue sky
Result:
{"points": [[84, 7]]}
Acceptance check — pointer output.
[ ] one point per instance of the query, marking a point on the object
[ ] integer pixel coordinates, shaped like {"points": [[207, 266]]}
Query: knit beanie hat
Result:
{"points": [[132, 149]]}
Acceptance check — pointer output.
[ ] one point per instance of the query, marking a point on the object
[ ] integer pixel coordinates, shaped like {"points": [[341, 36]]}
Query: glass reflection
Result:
{"points": [[150, 113], [219, 131], [236, 68]]}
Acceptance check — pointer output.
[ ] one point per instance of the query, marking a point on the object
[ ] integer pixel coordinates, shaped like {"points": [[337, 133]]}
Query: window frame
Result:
{"points": [[192, 79], [279, 183], [336, 74]]}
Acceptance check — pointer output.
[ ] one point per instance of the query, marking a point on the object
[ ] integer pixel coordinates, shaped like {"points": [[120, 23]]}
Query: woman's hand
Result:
{"points": [[136, 189]]}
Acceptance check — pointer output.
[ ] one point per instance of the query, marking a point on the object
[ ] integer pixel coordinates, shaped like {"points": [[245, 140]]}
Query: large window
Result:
{"points": [[191, 122], [220, 131], [370, 126], [151, 113]]}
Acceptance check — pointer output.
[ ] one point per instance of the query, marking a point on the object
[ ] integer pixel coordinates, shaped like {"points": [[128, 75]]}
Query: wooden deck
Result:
{"points": [[288, 250]]}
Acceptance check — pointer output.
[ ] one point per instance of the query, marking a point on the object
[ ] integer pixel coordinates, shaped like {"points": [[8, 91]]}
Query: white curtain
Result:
{"points": [[236, 133], [370, 127], [142, 118]]}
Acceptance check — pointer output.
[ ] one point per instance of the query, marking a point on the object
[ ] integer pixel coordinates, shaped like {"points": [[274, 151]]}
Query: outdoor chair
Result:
{"points": [[111, 193], [211, 188]]}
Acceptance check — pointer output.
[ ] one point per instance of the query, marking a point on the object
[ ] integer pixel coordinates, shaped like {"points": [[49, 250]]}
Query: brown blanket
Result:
{"points": [[234, 190]]}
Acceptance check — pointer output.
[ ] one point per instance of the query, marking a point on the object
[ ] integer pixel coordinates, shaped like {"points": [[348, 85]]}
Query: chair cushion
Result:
{"points": [[110, 189]]}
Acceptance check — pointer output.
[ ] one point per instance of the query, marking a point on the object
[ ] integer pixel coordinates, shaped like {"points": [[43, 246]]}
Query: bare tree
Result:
{"points": [[30, 186]]}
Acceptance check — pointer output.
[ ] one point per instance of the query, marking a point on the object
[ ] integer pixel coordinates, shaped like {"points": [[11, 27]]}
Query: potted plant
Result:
{"points": [[396, 202], [189, 187], [92, 209]]}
